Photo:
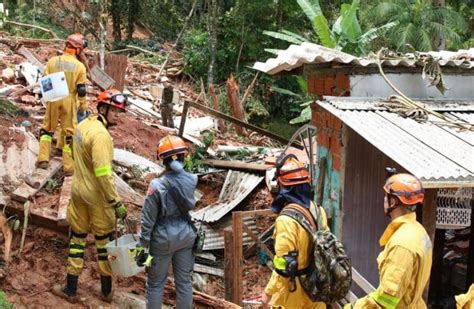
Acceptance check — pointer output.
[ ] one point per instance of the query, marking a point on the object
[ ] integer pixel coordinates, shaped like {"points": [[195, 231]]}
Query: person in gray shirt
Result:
{"points": [[167, 234]]}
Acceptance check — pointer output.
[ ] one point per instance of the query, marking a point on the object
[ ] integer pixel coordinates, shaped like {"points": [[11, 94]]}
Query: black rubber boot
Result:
{"points": [[71, 285], [67, 292], [106, 288]]}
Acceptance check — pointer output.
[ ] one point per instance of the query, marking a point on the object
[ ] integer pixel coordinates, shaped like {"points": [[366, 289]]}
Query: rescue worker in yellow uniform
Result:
{"points": [[405, 262], [95, 203], [294, 187], [466, 301], [462, 301], [64, 110]]}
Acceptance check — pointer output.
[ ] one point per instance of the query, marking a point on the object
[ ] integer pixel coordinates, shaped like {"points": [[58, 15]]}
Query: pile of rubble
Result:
{"points": [[231, 179]]}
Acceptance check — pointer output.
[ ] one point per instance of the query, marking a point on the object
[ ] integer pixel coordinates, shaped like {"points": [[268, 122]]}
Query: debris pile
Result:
{"points": [[231, 177]]}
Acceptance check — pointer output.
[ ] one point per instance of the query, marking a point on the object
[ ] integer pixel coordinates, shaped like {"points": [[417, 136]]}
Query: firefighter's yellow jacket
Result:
{"points": [[93, 183], [289, 235], [466, 301], [404, 266], [65, 109]]}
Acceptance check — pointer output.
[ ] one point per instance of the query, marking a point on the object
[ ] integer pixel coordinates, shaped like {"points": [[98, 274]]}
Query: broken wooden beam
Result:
{"points": [[8, 237], [24, 192], [217, 114], [64, 201], [236, 107], [259, 243], [237, 165], [228, 266], [237, 257]]}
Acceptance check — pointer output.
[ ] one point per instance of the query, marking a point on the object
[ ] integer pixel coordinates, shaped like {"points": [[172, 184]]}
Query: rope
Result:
{"points": [[407, 108]]}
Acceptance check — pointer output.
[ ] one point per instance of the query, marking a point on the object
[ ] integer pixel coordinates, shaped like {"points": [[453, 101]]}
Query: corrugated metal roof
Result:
{"points": [[308, 53], [236, 187], [215, 233], [438, 155]]}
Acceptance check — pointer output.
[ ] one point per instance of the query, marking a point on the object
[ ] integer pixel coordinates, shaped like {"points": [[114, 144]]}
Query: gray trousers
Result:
{"points": [[183, 264]]}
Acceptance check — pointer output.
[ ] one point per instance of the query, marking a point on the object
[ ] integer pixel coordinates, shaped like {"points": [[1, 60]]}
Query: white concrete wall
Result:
{"points": [[412, 85]]}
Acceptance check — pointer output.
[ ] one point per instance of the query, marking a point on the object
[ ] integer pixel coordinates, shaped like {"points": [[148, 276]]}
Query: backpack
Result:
{"points": [[328, 277]]}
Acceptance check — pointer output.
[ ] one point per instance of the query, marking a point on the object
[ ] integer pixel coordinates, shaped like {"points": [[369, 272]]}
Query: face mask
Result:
{"points": [[176, 165]]}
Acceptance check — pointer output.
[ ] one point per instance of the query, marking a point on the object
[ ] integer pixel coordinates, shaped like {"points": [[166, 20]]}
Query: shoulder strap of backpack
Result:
{"points": [[316, 213], [301, 215]]}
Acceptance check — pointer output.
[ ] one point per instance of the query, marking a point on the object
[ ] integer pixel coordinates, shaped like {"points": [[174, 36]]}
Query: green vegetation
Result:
{"points": [[4, 301], [8, 109], [227, 36]]}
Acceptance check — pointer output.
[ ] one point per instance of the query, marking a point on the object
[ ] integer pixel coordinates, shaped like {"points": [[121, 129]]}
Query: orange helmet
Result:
{"points": [[292, 172], [76, 41], [171, 145], [112, 97], [406, 187]]}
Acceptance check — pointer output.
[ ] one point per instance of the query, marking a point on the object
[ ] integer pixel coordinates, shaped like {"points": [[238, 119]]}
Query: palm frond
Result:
{"points": [[296, 36], [423, 41], [439, 29], [272, 51], [450, 17], [374, 33], [383, 12], [283, 37], [285, 91]]}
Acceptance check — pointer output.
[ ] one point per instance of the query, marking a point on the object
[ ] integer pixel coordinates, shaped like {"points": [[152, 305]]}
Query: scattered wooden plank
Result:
{"points": [[8, 236], [237, 257], [228, 265], [237, 165], [244, 124], [31, 58], [258, 242], [126, 192], [116, 67], [24, 192], [235, 104], [101, 78], [64, 201]]}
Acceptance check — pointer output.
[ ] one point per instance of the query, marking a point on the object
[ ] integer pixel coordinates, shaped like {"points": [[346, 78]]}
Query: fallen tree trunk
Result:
{"points": [[235, 105], [32, 26]]}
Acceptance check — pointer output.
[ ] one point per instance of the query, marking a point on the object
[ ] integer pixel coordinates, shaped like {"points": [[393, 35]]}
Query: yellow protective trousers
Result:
{"points": [[97, 217], [63, 112]]}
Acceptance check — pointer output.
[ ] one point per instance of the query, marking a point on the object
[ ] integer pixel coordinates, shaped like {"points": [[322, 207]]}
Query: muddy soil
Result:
{"points": [[42, 264]]}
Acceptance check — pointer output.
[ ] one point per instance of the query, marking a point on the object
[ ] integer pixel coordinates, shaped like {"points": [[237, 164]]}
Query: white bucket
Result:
{"points": [[54, 87], [121, 258]]}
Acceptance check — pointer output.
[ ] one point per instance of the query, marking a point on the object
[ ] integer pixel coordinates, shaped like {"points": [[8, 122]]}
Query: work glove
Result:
{"points": [[81, 115], [120, 210], [142, 257]]}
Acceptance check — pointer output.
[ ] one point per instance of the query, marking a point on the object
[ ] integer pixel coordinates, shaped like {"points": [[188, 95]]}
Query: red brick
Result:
{"points": [[342, 85], [328, 85], [311, 84], [318, 85]]}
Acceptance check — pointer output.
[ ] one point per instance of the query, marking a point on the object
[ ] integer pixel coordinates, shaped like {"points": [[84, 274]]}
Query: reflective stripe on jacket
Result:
{"points": [[93, 153]]}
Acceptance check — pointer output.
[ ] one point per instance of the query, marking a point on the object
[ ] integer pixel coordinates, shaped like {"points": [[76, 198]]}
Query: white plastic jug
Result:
{"points": [[54, 87], [121, 258]]}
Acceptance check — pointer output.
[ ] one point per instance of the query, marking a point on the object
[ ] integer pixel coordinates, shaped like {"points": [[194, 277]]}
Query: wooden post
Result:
{"points": [[215, 103], [166, 107], [236, 107], [237, 253], [470, 261], [228, 269], [429, 212], [435, 288], [429, 222]]}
